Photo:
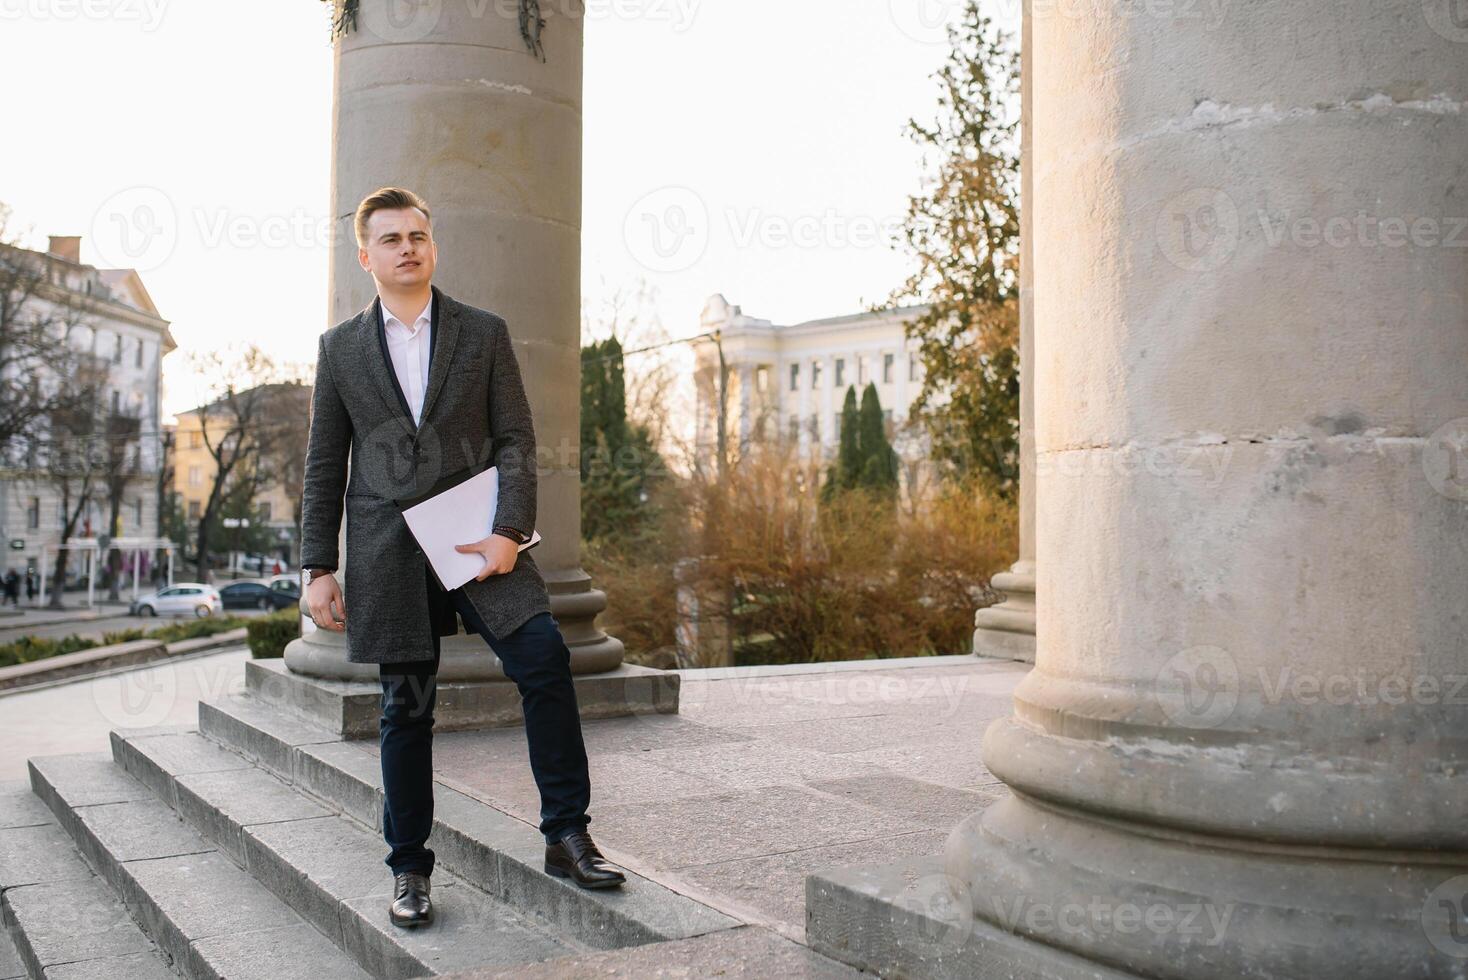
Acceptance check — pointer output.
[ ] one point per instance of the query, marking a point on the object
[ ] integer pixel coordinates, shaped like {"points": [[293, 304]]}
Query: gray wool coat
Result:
{"points": [[475, 415]]}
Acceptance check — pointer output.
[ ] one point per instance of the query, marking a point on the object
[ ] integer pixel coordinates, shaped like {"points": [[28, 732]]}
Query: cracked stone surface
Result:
{"points": [[761, 780]]}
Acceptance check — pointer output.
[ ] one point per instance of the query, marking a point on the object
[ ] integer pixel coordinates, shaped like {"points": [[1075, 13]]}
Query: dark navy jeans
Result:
{"points": [[535, 657]]}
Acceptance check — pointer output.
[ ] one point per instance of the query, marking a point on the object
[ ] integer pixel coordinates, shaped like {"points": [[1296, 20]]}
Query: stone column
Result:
{"points": [[1242, 749], [745, 400], [446, 99], [1007, 630]]}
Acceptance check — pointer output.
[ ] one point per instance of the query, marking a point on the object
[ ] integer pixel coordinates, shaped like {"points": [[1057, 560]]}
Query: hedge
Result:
{"points": [[268, 635]]}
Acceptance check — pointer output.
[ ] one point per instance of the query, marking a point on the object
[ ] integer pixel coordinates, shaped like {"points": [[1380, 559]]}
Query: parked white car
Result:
{"points": [[180, 599]]}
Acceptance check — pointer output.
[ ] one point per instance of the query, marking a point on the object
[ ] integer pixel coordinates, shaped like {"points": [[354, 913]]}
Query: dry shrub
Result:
{"points": [[802, 580]]}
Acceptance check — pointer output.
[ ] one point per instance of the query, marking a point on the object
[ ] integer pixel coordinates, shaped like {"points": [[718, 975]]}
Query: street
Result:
{"points": [[114, 618]]}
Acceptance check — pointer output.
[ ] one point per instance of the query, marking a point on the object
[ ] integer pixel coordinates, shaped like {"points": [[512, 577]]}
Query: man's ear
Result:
{"points": [[362, 259]]}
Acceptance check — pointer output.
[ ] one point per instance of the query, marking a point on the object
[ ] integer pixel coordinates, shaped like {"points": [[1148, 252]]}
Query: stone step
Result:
{"points": [[743, 953], [60, 919], [326, 867], [500, 854], [207, 915]]}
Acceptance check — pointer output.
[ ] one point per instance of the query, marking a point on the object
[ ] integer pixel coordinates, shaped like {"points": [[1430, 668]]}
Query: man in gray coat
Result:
{"points": [[417, 392]]}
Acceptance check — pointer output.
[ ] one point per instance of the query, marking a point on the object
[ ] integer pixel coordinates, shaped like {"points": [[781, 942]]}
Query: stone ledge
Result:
{"points": [[103, 659], [350, 709], [903, 920], [87, 661]]}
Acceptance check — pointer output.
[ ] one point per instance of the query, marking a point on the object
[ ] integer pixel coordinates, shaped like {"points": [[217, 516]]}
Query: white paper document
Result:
{"points": [[460, 515]]}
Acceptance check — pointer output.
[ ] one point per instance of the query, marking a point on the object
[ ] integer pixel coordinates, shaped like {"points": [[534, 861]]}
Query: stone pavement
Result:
{"points": [[78, 716], [769, 774]]}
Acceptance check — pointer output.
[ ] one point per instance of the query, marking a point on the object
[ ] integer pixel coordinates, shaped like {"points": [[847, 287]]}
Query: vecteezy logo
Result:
{"points": [[1445, 917], [1449, 18], [938, 910], [925, 21], [136, 228], [401, 20], [1198, 230], [1198, 687], [667, 230], [1445, 459], [395, 463]]}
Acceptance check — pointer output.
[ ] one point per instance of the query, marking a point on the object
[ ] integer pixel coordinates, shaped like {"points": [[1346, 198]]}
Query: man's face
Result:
{"points": [[400, 251]]}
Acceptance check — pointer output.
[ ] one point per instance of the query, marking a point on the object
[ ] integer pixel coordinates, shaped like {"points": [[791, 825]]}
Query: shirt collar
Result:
{"points": [[387, 316]]}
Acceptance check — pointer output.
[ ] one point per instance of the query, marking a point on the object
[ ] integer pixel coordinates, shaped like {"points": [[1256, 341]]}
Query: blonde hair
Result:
{"points": [[387, 199]]}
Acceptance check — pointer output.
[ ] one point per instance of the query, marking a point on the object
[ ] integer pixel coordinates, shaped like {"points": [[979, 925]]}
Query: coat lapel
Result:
{"points": [[445, 338], [375, 359]]}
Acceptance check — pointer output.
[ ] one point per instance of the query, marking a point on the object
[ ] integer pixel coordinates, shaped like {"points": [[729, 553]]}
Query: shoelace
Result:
{"points": [[584, 839]]}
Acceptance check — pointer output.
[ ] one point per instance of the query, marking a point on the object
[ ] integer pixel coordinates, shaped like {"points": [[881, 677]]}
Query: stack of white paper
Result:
{"points": [[462, 514]]}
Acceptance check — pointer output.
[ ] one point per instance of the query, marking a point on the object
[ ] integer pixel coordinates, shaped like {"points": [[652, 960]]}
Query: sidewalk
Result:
{"points": [[30, 617], [78, 717]]}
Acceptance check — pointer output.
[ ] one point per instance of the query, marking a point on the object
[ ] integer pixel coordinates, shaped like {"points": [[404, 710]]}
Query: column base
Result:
{"points": [[350, 708], [574, 603], [911, 919], [1007, 630], [1151, 903]]}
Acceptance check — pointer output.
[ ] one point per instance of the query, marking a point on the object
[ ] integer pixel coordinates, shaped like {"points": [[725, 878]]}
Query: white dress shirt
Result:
{"points": [[409, 348]]}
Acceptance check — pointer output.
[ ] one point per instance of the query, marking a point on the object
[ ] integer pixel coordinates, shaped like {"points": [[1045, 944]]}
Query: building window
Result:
{"points": [[887, 418], [861, 369], [840, 372], [815, 374], [794, 428], [813, 425], [193, 510], [117, 348], [138, 357], [794, 377], [888, 360], [196, 477], [138, 513], [265, 510], [33, 514], [196, 439], [116, 400], [912, 367], [762, 378]]}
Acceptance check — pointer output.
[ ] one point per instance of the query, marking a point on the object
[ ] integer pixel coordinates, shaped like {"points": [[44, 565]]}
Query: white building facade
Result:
{"points": [[115, 321], [789, 382]]}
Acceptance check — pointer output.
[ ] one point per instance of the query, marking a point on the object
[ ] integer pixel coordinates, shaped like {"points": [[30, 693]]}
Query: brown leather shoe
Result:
{"points": [[411, 907], [575, 856]]}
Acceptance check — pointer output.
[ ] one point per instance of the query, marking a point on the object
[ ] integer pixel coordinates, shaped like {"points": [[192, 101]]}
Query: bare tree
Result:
{"points": [[283, 455], [235, 427], [38, 315], [74, 464], [653, 375], [122, 463]]}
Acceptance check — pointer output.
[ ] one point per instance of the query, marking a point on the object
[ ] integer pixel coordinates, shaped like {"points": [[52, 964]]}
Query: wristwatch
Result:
{"points": [[314, 572]]}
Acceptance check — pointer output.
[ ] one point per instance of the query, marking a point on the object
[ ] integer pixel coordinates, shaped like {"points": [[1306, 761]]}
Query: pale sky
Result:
{"points": [[782, 122]]}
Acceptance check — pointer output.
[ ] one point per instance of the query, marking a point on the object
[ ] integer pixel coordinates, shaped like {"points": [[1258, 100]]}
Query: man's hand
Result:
{"points": [[499, 554], [321, 595]]}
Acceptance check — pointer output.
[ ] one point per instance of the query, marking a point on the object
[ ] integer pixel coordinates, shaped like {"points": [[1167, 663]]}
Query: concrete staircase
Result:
{"points": [[249, 847]]}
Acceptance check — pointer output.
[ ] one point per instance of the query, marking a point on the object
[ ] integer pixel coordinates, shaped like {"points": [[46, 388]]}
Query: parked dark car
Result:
{"points": [[260, 595]]}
